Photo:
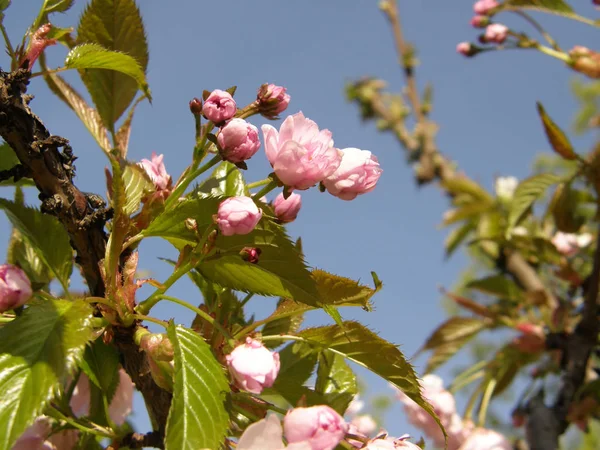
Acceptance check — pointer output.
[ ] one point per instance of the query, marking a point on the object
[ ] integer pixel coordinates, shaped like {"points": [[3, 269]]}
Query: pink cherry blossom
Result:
{"points": [[238, 140], [34, 437], [483, 7], [238, 215], [496, 32], [15, 287], [320, 426], [482, 439], [464, 48], [301, 155], [253, 366], [272, 100], [357, 174], [287, 209], [266, 434], [479, 21], [155, 169], [569, 244], [219, 106]]}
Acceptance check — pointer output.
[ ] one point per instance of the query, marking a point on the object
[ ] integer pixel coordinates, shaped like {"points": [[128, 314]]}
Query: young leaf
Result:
{"points": [[336, 382], [564, 208], [197, 418], [226, 181], [557, 138], [363, 347], [497, 286], [4, 4], [8, 159], [88, 115], [114, 25], [527, 192], [51, 6], [122, 136], [45, 235], [559, 7], [94, 56], [38, 350], [468, 211], [464, 185], [456, 237], [298, 361], [137, 185]]}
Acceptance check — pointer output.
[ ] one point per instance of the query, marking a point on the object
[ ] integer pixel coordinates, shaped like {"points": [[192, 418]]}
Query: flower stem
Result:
{"points": [[268, 188], [144, 307], [485, 401], [96, 429], [141, 317], [181, 187], [258, 183]]}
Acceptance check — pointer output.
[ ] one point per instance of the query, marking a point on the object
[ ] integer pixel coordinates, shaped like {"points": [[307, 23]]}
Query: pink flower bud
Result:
{"points": [[15, 287], [253, 366], [272, 100], [320, 426], [251, 254], [484, 7], [155, 169], [35, 436], [196, 106], [287, 210], [37, 45], [482, 439], [480, 21], [585, 61], [532, 340], [357, 174], [238, 140], [301, 155], [219, 106], [496, 32], [237, 215], [465, 48]]}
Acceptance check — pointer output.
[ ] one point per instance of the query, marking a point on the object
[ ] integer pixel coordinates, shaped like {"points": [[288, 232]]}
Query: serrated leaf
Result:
{"points": [[93, 56], [497, 286], [559, 7], [8, 159], [226, 181], [197, 418], [21, 254], [52, 6], [58, 33], [38, 350], [336, 382], [101, 363], [285, 323], [527, 192], [558, 139], [137, 185], [115, 25], [88, 115], [360, 345], [341, 291], [456, 237], [449, 338], [45, 235]]}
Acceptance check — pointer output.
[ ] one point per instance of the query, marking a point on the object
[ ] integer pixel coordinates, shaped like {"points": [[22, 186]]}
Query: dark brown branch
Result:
{"points": [[52, 172]]}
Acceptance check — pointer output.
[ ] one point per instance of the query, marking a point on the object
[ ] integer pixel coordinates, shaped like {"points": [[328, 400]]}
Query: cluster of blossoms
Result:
{"points": [[39, 436], [569, 244], [462, 435], [495, 33]]}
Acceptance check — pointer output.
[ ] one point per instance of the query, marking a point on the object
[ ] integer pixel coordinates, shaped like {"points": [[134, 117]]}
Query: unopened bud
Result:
{"points": [[466, 49], [196, 106], [480, 21], [191, 224], [250, 254], [585, 61], [157, 346], [272, 100]]}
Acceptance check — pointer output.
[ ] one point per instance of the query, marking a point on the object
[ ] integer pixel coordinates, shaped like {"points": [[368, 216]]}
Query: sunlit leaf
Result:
{"points": [[557, 138], [527, 192], [559, 7], [8, 159], [498, 286], [137, 185], [225, 181], [336, 382]]}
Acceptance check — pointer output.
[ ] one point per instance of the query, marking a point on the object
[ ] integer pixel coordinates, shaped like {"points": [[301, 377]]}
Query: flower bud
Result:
{"points": [[253, 366], [505, 187], [15, 287], [287, 209], [237, 215], [157, 346], [196, 106], [238, 140], [272, 100], [532, 339], [480, 21], [37, 45], [250, 254], [155, 169], [357, 174], [466, 49], [496, 33], [484, 7], [219, 106], [301, 155], [320, 426], [585, 61]]}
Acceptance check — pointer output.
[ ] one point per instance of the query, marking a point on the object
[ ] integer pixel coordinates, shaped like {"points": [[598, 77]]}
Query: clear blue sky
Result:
{"points": [[485, 107]]}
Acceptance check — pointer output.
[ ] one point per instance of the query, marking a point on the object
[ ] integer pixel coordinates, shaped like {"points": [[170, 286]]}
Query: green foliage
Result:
{"points": [[225, 181], [197, 418], [137, 185], [8, 159], [457, 237], [559, 7], [564, 208], [336, 382], [45, 235], [101, 363], [115, 25], [4, 4], [37, 352], [588, 94], [498, 286], [297, 363], [51, 6], [558, 139]]}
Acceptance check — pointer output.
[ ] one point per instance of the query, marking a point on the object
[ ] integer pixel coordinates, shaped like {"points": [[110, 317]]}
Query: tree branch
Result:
{"points": [[52, 171]]}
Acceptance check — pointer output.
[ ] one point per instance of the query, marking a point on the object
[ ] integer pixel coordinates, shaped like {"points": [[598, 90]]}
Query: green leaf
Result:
{"points": [[4, 4], [45, 235], [336, 382], [456, 237], [21, 254], [468, 211], [122, 136], [137, 186], [463, 185], [226, 181], [38, 350], [284, 323], [88, 115], [558, 139], [341, 291], [8, 159], [51, 6], [360, 345], [559, 7], [505, 366], [114, 25], [497, 286], [527, 192], [564, 208], [449, 338], [101, 364], [197, 418], [93, 56], [58, 33]]}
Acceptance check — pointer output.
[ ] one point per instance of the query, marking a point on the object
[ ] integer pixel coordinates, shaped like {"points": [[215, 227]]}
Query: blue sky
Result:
{"points": [[485, 108]]}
